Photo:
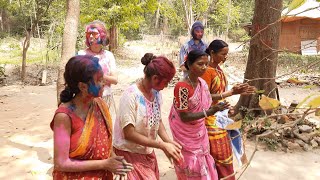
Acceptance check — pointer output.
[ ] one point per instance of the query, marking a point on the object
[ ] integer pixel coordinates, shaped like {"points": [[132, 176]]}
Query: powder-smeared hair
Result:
{"points": [[158, 65]]}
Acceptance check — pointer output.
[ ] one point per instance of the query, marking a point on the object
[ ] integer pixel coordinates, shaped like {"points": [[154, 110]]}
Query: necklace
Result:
{"points": [[190, 81]]}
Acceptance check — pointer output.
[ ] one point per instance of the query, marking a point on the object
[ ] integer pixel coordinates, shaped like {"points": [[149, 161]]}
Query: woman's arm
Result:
{"points": [[131, 134], [217, 97], [243, 89], [169, 149], [192, 116], [112, 78], [163, 133], [62, 162]]}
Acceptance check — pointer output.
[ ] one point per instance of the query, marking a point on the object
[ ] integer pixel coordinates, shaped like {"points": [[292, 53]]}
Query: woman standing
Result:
{"points": [[220, 146], [82, 126], [96, 40], [191, 105], [139, 123]]}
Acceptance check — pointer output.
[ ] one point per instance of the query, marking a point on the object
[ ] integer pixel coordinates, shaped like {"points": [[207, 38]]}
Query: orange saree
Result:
{"points": [[89, 140], [220, 146]]}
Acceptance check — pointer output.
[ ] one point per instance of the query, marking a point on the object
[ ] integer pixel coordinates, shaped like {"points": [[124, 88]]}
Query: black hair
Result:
{"points": [[78, 69], [216, 45], [193, 56]]}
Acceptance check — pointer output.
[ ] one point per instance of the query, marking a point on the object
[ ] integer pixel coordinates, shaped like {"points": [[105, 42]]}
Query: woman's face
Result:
{"points": [[220, 56], [199, 67], [93, 36], [159, 83]]}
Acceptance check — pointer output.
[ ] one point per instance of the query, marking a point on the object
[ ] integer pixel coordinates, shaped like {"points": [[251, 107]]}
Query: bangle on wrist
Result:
{"points": [[204, 112]]}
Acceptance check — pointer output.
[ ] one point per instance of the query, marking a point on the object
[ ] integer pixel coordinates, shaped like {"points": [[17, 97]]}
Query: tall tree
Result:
{"points": [[34, 11], [262, 61], [69, 40]]}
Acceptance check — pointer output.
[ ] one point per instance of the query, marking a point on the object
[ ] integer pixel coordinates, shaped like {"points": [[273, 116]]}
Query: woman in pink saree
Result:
{"points": [[191, 104]]}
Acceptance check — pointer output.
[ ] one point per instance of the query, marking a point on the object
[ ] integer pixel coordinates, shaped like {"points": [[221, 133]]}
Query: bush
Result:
{"points": [[289, 60], [238, 35]]}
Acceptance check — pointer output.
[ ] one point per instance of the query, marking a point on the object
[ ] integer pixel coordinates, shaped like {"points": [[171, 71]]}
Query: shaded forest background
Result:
{"points": [[128, 19]]}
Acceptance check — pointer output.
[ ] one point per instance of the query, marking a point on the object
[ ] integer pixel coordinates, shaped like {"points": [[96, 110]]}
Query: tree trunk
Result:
{"points": [[187, 4], [113, 38], [26, 44], [263, 56], [156, 25], [69, 40]]}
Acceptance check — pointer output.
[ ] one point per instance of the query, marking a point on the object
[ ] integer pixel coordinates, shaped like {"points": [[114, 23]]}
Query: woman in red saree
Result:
{"points": [[220, 146], [191, 105], [82, 126]]}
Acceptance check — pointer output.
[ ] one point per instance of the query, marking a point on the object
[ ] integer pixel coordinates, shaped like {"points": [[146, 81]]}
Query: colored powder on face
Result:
{"points": [[94, 89], [97, 39]]}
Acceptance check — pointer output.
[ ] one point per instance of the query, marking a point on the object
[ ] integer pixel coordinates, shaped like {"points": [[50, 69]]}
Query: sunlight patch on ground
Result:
{"points": [[25, 139], [9, 151]]}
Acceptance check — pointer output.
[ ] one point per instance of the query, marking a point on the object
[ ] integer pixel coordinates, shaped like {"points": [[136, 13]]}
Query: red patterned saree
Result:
{"points": [[89, 140]]}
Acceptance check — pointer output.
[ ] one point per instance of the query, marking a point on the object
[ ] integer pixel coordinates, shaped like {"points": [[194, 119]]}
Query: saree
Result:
{"points": [[197, 164], [89, 140], [145, 165], [220, 146]]}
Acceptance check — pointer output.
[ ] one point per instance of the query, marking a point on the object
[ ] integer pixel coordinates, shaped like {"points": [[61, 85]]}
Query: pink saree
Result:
{"points": [[198, 164]]}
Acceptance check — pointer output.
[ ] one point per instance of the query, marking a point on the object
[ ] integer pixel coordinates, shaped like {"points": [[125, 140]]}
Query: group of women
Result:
{"points": [[91, 142]]}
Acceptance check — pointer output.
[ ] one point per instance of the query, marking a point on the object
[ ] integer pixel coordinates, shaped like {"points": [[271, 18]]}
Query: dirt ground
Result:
{"points": [[26, 150]]}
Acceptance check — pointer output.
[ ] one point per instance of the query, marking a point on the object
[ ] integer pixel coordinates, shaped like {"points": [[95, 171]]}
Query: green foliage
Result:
{"points": [[11, 52], [125, 14], [271, 143], [292, 60], [200, 7], [311, 101], [295, 4], [122, 39], [239, 34], [220, 15]]}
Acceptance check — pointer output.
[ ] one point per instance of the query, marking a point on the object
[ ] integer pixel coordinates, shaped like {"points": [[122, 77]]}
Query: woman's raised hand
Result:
{"points": [[117, 165], [243, 89], [239, 88], [218, 107], [249, 90], [172, 150]]}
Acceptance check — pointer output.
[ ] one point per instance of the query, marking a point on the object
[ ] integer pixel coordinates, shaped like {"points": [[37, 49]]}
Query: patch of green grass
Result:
{"points": [[14, 57], [11, 52]]}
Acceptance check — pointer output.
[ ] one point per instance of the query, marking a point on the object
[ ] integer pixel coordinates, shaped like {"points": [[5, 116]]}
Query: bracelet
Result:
{"points": [[204, 112]]}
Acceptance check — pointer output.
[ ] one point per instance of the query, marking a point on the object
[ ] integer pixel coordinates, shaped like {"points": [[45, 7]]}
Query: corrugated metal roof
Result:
{"points": [[310, 9]]}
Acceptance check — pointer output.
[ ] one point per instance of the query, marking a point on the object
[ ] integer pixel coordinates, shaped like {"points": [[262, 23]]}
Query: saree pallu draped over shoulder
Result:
{"points": [[198, 164], [89, 140], [220, 146]]}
